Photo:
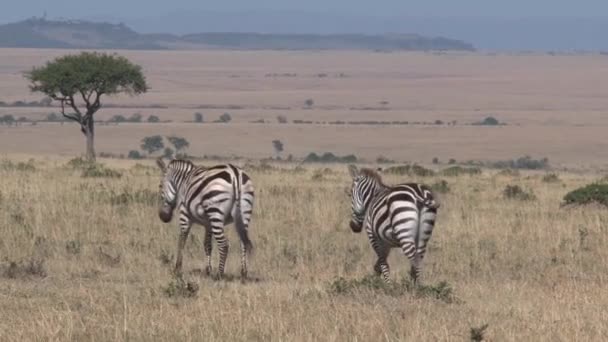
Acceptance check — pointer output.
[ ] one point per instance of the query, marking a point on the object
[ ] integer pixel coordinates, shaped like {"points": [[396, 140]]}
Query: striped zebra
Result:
{"points": [[400, 216], [212, 197]]}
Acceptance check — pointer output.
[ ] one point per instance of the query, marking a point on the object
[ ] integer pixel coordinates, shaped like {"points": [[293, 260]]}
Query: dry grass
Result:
{"points": [[558, 101], [91, 262]]}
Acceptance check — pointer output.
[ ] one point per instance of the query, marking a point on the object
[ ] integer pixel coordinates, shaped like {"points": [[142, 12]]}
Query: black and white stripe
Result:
{"points": [[212, 197], [400, 216]]}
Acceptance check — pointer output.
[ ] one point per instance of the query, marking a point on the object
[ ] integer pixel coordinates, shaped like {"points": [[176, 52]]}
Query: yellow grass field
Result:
{"points": [[554, 106], [88, 259]]}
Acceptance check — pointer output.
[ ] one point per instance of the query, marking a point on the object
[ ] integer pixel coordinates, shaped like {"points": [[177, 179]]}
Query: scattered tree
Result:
{"points": [[85, 78], [309, 103], [278, 147], [225, 117], [135, 118], [198, 117], [282, 119], [53, 117], [134, 154], [152, 144], [153, 119], [7, 119], [178, 143], [168, 153]]}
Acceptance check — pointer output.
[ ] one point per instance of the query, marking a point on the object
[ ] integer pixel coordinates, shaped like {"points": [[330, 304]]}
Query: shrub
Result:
{"points": [[135, 118], [28, 166], [53, 117], [180, 288], [550, 178], [515, 192], [509, 173], [118, 119], [452, 161], [309, 103], [398, 170], [97, 170], [489, 121], [418, 170], [25, 269], [198, 117], [226, 117], [592, 193], [282, 119], [525, 163], [384, 160], [153, 119], [458, 170], [438, 122], [441, 291], [329, 157], [441, 187], [134, 154], [435, 161]]}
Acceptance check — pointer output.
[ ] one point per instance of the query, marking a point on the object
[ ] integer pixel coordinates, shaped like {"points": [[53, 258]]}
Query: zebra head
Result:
{"points": [[364, 185], [168, 191]]}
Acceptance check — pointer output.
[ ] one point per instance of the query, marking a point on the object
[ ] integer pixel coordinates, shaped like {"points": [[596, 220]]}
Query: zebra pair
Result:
{"points": [[212, 197], [399, 216]]}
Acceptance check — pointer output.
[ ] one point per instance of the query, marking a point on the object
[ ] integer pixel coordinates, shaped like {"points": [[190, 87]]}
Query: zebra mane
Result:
{"points": [[180, 163], [372, 174]]}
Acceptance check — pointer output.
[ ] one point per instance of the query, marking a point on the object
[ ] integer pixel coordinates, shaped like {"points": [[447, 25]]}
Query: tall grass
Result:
{"points": [[88, 259]]}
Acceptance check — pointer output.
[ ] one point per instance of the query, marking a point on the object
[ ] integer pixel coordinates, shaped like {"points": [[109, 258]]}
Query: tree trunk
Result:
{"points": [[89, 132]]}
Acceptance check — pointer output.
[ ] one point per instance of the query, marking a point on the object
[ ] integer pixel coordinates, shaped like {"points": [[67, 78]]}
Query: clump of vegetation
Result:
{"points": [[309, 103], [592, 193], [198, 118], [153, 119], [33, 267], [329, 157], [441, 186], [225, 118], [525, 163], [8, 165], [73, 247], [459, 170], [550, 178], [179, 288], [441, 291], [97, 170], [509, 173], [488, 121], [384, 160], [282, 119], [515, 192], [410, 170], [134, 154], [477, 333]]}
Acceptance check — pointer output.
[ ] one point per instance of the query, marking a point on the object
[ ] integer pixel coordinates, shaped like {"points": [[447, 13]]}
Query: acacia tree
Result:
{"points": [[79, 81]]}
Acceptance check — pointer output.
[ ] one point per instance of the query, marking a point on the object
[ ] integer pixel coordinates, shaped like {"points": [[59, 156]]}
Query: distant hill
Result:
{"points": [[42, 33]]}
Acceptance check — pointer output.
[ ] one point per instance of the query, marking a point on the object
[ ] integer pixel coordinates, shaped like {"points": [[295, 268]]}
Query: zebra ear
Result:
{"points": [[354, 172], [161, 164]]}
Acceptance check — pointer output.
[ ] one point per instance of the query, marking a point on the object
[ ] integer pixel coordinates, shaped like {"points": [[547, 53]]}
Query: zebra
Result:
{"points": [[400, 216], [212, 197]]}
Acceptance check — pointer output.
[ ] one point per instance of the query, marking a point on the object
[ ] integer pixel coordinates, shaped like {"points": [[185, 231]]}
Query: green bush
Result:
{"points": [[592, 193], [515, 192], [459, 170]]}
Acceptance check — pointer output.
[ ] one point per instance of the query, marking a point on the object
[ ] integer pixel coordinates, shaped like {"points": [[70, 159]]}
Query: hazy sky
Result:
{"points": [[18, 9], [487, 24]]}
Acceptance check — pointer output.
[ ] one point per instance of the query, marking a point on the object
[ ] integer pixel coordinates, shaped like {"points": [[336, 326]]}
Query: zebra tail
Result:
{"points": [[241, 229]]}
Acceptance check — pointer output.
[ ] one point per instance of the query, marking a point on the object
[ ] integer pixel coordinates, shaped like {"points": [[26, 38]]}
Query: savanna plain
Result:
{"points": [[83, 255]]}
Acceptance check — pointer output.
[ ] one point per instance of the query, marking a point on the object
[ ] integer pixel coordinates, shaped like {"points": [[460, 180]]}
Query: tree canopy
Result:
{"points": [[81, 80]]}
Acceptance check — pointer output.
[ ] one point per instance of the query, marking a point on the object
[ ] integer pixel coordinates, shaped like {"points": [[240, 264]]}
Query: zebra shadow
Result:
{"points": [[227, 277]]}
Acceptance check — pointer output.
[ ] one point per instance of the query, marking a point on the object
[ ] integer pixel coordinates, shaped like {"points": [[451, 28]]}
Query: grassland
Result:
{"points": [[553, 105], [88, 259]]}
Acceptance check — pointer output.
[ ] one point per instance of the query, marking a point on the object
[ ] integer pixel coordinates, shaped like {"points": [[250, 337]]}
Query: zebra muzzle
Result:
{"points": [[355, 227], [165, 213]]}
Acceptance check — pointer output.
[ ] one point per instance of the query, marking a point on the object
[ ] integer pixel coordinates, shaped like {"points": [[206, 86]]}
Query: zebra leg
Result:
{"points": [[381, 267], [427, 223], [222, 242], [184, 229], [208, 248]]}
